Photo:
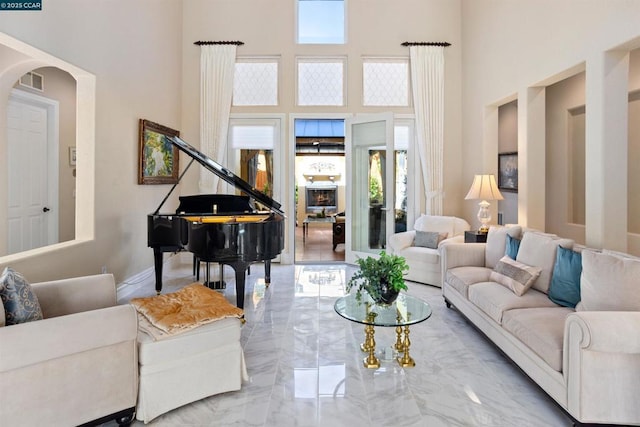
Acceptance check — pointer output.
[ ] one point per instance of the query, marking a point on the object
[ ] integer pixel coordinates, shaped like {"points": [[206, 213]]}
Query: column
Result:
{"points": [[606, 150]]}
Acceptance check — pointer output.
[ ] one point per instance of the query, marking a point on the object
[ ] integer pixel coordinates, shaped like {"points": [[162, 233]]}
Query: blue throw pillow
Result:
{"points": [[565, 281], [20, 303], [511, 249]]}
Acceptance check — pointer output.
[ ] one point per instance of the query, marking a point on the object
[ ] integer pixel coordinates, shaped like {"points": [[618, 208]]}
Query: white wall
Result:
{"points": [[513, 50], [133, 49]]}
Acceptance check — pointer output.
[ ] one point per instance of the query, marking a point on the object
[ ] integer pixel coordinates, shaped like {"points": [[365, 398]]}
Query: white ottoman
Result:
{"points": [[187, 367]]}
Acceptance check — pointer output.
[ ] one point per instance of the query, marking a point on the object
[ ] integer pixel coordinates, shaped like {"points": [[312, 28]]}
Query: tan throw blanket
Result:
{"points": [[188, 308]]}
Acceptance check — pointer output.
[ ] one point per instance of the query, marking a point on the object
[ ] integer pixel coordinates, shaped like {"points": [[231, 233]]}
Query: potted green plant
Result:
{"points": [[382, 278]]}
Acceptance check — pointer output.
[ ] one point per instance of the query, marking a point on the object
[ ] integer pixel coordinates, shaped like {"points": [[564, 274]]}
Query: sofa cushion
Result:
{"points": [[423, 255], [565, 281], [540, 329], [18, 299], [539, 249], [609, 283], [511, 247], [437, 223], [516, 276], [460, 278], [494, 299], [428, 239], [497, 241]]}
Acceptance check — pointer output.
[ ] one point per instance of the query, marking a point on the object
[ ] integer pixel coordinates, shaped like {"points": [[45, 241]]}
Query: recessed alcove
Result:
{"points": [[16, 59]]}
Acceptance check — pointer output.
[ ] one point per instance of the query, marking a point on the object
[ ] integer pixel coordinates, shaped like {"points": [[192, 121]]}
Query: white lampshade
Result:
{"points": [[484, 188]]}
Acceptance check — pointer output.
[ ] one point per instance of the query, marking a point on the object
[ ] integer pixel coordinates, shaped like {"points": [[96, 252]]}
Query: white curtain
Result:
{"points": [[217, 63], [427, 82]]}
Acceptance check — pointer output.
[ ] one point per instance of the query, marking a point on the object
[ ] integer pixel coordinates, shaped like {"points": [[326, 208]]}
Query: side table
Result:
{"points": [[475, 237]]}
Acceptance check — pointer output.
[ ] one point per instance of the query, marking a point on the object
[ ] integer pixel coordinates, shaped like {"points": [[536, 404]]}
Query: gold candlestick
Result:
{"points": [[398, 346], [406, 361], [371, 361]]}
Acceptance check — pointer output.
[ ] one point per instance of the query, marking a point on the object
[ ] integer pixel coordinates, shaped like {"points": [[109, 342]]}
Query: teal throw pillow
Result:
{"points": [[565, 281], [20, 303], [512, 246]]}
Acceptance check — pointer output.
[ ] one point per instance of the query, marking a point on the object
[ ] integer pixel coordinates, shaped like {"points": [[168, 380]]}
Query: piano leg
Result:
{"points": [[157, 261], [240, 269], [267, 272]]}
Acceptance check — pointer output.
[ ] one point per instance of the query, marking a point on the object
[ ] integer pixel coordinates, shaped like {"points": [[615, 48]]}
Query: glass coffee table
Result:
{"points": [[403, 312]]}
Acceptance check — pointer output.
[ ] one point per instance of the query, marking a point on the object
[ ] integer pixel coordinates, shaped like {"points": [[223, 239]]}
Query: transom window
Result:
{"points": [[321, 22], [385, 82], [255, 81], [321, 81]]}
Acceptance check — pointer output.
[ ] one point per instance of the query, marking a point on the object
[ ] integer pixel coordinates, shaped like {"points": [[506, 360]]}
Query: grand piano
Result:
{"points": [[223, 228]]}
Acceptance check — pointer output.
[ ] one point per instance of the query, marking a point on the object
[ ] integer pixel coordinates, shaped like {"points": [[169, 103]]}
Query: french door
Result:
{"points": [[370, 192]]}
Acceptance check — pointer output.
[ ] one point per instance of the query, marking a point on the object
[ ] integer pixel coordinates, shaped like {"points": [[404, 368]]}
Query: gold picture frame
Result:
{"points": [[158, 158]]}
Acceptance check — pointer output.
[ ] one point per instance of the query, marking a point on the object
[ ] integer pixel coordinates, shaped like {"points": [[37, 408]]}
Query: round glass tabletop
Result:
{"points": [[404, 311]]}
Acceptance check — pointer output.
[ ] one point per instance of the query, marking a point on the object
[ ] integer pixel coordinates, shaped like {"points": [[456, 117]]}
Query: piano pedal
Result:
{"points": [[216, 285]]}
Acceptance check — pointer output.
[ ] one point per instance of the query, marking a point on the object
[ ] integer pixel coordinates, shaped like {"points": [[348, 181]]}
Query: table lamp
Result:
{"points": [[484, 188]]}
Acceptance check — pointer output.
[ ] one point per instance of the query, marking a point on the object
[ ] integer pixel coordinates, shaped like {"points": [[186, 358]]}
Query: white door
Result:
{"points": [[370, 174], [32, 217]]}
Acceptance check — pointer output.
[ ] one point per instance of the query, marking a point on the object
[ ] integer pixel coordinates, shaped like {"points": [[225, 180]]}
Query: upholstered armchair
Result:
{"points": [[421, 245], [76, 365]]}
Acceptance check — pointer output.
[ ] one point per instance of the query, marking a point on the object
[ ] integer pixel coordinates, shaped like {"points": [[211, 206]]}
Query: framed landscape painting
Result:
{"points": [[157, 156], [508, 171]]}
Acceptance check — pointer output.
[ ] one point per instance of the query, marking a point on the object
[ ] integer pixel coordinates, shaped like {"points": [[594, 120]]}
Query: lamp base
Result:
{"points": [[484, 216]]}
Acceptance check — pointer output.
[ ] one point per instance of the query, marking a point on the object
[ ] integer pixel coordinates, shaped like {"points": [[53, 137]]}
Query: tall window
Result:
{"points": [[321, 22], [401, 140], [251, 151]]}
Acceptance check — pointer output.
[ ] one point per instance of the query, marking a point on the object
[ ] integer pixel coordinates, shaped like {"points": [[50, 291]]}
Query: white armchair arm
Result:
{"points": [[78, 368], [455, 239], [601, 364], [400, 241], [39, 341], [462, 254], [66, 296]]}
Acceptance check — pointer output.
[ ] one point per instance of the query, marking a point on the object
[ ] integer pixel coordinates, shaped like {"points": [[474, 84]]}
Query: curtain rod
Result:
{"points": [[236, 42], [445, 44]]}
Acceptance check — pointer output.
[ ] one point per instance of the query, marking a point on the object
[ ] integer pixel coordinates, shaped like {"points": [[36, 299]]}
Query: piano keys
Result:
{"points": [[223, 228]]}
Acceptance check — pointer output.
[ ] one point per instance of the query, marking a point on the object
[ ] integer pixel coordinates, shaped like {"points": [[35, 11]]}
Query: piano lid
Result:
{"points": [[225, 174]]}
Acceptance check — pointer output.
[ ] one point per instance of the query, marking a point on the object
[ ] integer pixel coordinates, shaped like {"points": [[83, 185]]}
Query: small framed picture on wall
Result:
{"points": [[508, 171]]}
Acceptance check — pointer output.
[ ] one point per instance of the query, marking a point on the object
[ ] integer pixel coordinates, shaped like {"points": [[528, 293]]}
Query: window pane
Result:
{"points": [[320, 83], [256, 168], [321, 21], [255, 83], [385, 83]]}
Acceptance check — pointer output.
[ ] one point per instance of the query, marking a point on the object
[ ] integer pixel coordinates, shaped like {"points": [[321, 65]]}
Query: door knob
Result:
{"points": [[45, 209]]}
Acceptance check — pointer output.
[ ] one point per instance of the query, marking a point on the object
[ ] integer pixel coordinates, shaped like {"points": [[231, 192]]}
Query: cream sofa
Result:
{"points": [[79, 364], [424, 262], [588, 358]]}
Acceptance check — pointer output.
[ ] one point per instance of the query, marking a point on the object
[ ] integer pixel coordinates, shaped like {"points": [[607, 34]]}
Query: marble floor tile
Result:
{"points": [[305, 363]]}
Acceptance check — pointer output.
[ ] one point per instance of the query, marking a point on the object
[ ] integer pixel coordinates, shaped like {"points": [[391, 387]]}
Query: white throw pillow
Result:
{"points": [[497, 241], [609, 283], [514, 275], [539, 249]]}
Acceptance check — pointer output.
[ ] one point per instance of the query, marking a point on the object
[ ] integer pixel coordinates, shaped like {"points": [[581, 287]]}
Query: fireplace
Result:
{"points": [[321, 197]]}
